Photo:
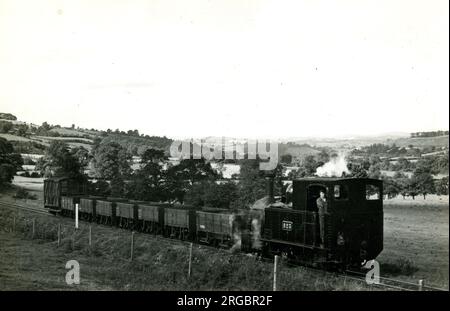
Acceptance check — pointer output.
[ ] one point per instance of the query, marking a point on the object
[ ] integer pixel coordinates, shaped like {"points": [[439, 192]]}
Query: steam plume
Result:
{"points": [[333, 168]]}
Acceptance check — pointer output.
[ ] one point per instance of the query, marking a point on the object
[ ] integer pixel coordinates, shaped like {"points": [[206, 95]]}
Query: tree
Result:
{"points": [[391, 187], [212, 194], [412, 188], [424, 183], [310, 165], [83, 156], [322, 158], [10, 162], [402, 165], [358, 170], [442, 186], [286, 158], [196, 194], [60, 161], [147, 181], [180, 178], [5, 126], [22, 130], [221, 195], [112, 162], [252, 183], [374, 172], [402, 183]]}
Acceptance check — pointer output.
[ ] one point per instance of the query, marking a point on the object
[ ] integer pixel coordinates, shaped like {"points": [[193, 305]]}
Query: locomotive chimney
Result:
{"points": [[269, 185]]}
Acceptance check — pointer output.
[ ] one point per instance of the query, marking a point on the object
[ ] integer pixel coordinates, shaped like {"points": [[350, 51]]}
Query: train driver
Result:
{"points": [[322, 209], [289, 191]]}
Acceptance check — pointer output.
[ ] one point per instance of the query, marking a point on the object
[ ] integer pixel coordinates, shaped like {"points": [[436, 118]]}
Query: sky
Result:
{"points": [[273, 69]]}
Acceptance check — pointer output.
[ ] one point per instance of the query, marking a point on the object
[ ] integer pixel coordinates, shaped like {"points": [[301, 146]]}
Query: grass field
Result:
{"points": [[416, 243], [28, 183], [69, 132], [50, 138], [14, 137], [38, 263]]}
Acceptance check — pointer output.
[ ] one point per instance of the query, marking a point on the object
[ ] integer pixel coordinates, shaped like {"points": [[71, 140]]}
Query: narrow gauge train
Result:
{"points": [[353, 223]]}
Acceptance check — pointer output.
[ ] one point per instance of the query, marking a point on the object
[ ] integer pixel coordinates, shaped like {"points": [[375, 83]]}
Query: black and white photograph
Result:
{"points": [[237, 148]]}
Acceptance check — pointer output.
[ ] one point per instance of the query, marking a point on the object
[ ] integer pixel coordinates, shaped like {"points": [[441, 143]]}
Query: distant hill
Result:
{"points": [[360, 141], [136, 145], [34, 139], [438, 141], [7, 116], [296, 151]]}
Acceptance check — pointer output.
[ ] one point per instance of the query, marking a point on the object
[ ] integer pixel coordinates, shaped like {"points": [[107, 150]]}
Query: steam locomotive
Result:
{"points": [[352, 226]]}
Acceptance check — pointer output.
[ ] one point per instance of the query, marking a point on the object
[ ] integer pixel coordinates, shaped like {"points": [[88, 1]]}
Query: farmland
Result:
{"points": [[12, 137], [416, 236]]}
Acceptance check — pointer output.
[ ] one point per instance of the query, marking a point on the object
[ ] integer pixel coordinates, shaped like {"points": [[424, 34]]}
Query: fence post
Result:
{"points": [[76, 216], [132, 245], [34, 225], [14, 224], [59, 234], [90, 235], [420, 285], [73, 239], [275, 265], [190, 260]]}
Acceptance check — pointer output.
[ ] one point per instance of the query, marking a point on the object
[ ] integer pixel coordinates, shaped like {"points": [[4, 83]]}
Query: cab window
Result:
{"points": [[373, 192], [340, 192]]}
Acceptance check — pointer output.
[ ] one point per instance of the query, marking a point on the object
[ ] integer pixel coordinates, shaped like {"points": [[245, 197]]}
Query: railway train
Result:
{"points": [[352, 233]]}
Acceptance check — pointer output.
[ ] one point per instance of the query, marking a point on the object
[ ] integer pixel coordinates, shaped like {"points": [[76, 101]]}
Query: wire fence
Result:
{"points": [[285, 275]]}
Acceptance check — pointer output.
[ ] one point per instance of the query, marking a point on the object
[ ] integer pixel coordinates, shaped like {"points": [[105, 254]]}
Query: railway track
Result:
{"points": [[384, 283], [25, 208]]}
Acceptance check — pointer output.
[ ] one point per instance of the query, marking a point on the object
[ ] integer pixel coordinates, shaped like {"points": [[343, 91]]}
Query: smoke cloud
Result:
{"points": [[333, 168]]}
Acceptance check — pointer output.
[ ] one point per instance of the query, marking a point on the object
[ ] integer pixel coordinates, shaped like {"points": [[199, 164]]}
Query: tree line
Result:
{"points": [[429, 134], [156, 179]]}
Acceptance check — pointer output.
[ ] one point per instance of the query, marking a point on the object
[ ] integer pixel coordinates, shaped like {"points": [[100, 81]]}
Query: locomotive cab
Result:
{"points": [[352, 223]]}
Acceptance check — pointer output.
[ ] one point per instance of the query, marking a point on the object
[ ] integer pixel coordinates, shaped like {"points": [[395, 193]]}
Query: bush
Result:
{"points": [[23, 194], [35, 175], [24, 174]]}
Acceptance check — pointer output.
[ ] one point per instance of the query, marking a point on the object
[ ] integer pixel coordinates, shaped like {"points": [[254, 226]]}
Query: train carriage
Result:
{"points": [[126, 214], [87, 210], [179, 222], [105, 212], [151, 216], [67, 206], [214, 228]]}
